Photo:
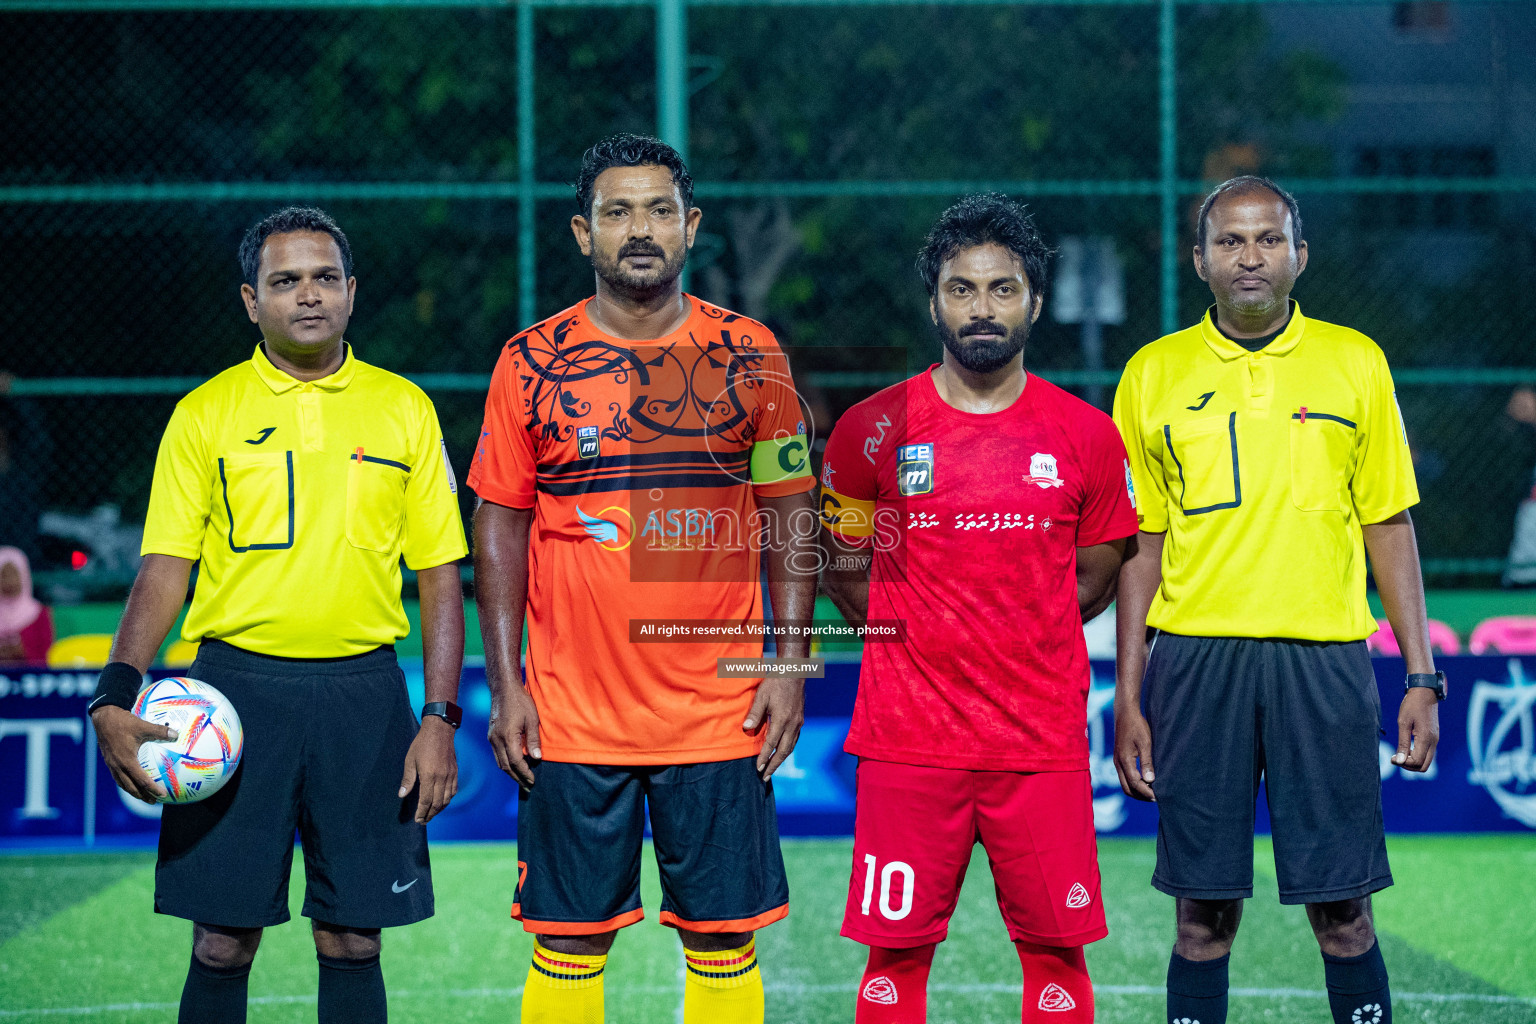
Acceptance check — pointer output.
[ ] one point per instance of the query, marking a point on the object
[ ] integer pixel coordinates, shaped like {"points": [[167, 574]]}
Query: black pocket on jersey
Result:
{"points": [[1204, 471], [258, 499]]}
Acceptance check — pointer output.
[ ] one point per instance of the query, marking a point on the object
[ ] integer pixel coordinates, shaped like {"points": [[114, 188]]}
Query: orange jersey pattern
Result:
{"points": [[642, 462]]}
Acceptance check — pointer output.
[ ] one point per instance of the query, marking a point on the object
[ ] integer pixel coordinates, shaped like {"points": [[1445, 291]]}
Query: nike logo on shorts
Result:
{"points": [[397, 887]]}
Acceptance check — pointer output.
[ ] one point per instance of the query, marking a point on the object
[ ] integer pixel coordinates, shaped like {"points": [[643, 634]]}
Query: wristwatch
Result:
{"points": [[447, 710], [1429, 680]]}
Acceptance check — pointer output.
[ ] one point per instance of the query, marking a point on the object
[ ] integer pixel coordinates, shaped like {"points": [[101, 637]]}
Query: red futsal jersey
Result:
{"points": [[975, 520]]}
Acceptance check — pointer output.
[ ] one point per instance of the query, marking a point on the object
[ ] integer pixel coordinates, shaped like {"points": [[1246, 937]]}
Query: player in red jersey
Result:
{"points": [[988, 511]]}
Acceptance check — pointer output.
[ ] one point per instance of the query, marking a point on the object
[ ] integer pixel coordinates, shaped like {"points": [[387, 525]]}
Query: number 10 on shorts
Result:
{"points": [[887, 873]]}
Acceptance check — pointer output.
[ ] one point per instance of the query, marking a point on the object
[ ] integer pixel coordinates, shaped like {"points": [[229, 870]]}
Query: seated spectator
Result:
{"points": [[26, 627]]}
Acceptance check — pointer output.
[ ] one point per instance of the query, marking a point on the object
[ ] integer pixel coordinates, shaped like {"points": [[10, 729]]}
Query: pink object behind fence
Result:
{"points": [[1506, 634], [1442, 638]]}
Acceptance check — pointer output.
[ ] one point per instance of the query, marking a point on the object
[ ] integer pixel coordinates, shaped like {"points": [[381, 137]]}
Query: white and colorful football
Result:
{"points": [[209, 740]]}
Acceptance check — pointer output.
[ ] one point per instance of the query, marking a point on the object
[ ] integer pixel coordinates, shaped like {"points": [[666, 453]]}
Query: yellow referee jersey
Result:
{"points": [[300, 499], [1261, 468]]}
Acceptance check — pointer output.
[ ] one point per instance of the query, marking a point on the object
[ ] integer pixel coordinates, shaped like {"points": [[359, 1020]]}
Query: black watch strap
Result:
{"points": [[1429, 680], [447, 710]]}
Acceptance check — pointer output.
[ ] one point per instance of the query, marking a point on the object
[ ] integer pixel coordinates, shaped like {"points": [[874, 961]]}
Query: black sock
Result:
{"points": [[1197, 990], [1357, 988], [214, 995], [351, 991]]}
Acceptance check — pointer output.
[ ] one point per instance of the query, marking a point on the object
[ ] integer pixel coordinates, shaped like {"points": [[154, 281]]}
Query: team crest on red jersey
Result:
{"points": [[1042, 471], [914, 469]]}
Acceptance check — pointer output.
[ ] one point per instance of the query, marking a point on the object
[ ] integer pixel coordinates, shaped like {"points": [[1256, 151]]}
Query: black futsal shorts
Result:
{"points": [[579, 831], [325, 746], [1303, 716]]}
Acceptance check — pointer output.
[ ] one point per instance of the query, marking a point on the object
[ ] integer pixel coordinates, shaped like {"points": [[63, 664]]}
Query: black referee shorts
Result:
{"points": [[1303, 716], [325, 745]]}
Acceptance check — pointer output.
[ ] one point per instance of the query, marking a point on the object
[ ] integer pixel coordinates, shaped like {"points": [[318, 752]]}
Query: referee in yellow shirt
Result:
{"points": [[1268, 457], [299, 479]]}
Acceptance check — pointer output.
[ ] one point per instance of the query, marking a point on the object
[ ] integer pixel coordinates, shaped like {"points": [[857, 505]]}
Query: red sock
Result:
{"points": [[894, 989], [1056, 985]]}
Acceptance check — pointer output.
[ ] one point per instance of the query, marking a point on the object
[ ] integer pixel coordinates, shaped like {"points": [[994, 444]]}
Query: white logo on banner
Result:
{"points": [[1502, 739]]}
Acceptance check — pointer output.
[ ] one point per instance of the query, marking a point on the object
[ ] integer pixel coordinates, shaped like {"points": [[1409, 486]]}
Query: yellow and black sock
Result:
{"points": [[563, 988], [724, 987]]}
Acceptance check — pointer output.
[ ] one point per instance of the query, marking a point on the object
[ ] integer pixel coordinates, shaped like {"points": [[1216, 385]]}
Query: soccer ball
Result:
{"points": [[208, 743]]}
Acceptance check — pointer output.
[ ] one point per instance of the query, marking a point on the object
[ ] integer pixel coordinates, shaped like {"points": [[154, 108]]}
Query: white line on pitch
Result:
{"points": [[790, 989]]}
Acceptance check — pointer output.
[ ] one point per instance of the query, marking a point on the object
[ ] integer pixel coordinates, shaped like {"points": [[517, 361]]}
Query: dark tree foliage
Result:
{"points": [[309, 98]]}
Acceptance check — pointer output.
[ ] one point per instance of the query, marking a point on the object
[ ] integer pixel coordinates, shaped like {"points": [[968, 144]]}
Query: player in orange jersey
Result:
{"points": [[631, 445]]}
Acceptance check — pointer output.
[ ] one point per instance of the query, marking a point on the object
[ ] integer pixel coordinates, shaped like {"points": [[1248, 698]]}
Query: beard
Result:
{"points": [[984, 356], [1255, 303], [639, 285]]}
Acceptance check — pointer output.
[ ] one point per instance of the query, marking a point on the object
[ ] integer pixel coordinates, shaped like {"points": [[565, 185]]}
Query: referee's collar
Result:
{"points": [[1229, 350], [280, 382]]}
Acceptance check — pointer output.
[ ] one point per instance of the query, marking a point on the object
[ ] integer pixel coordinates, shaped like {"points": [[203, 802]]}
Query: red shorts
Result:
{"points": [[913, 836]]}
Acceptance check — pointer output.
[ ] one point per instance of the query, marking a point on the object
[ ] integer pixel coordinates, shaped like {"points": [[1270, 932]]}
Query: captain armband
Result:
{"points": [[850, 518], [781, 458]]}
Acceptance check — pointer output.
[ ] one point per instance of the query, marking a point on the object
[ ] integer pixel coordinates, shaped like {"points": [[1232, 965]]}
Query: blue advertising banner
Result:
{"points": [[55, 791]]}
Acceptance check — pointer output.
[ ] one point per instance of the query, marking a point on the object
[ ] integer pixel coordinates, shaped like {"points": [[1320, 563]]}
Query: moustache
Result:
{"points": [[982, 327], [642, 249]]}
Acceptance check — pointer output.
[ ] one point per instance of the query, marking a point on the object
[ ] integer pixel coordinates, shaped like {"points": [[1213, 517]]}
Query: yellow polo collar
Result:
{"points": [[280, 382], [1228, 349]]}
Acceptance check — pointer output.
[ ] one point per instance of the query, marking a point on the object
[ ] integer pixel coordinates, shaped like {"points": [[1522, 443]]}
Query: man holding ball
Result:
{"points": [[299, 479]]}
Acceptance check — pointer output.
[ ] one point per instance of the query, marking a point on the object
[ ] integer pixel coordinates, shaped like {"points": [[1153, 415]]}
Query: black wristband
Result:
{"points": [[118, 685]]}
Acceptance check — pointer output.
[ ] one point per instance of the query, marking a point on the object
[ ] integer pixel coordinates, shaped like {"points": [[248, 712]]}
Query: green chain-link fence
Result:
{"points": [[824, 137]]}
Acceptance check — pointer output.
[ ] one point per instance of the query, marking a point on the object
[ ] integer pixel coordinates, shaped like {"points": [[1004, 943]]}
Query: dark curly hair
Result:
{"points": [[292, 218], [1249, 183], [626, 150], [989, 217]]}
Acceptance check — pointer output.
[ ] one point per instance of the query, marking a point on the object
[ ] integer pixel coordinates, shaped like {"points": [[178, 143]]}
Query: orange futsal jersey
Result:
{"points": [[641, 461]]}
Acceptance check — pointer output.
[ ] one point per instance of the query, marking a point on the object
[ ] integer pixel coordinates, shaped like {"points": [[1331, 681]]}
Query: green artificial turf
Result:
{"points": [[1456, 931]]}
